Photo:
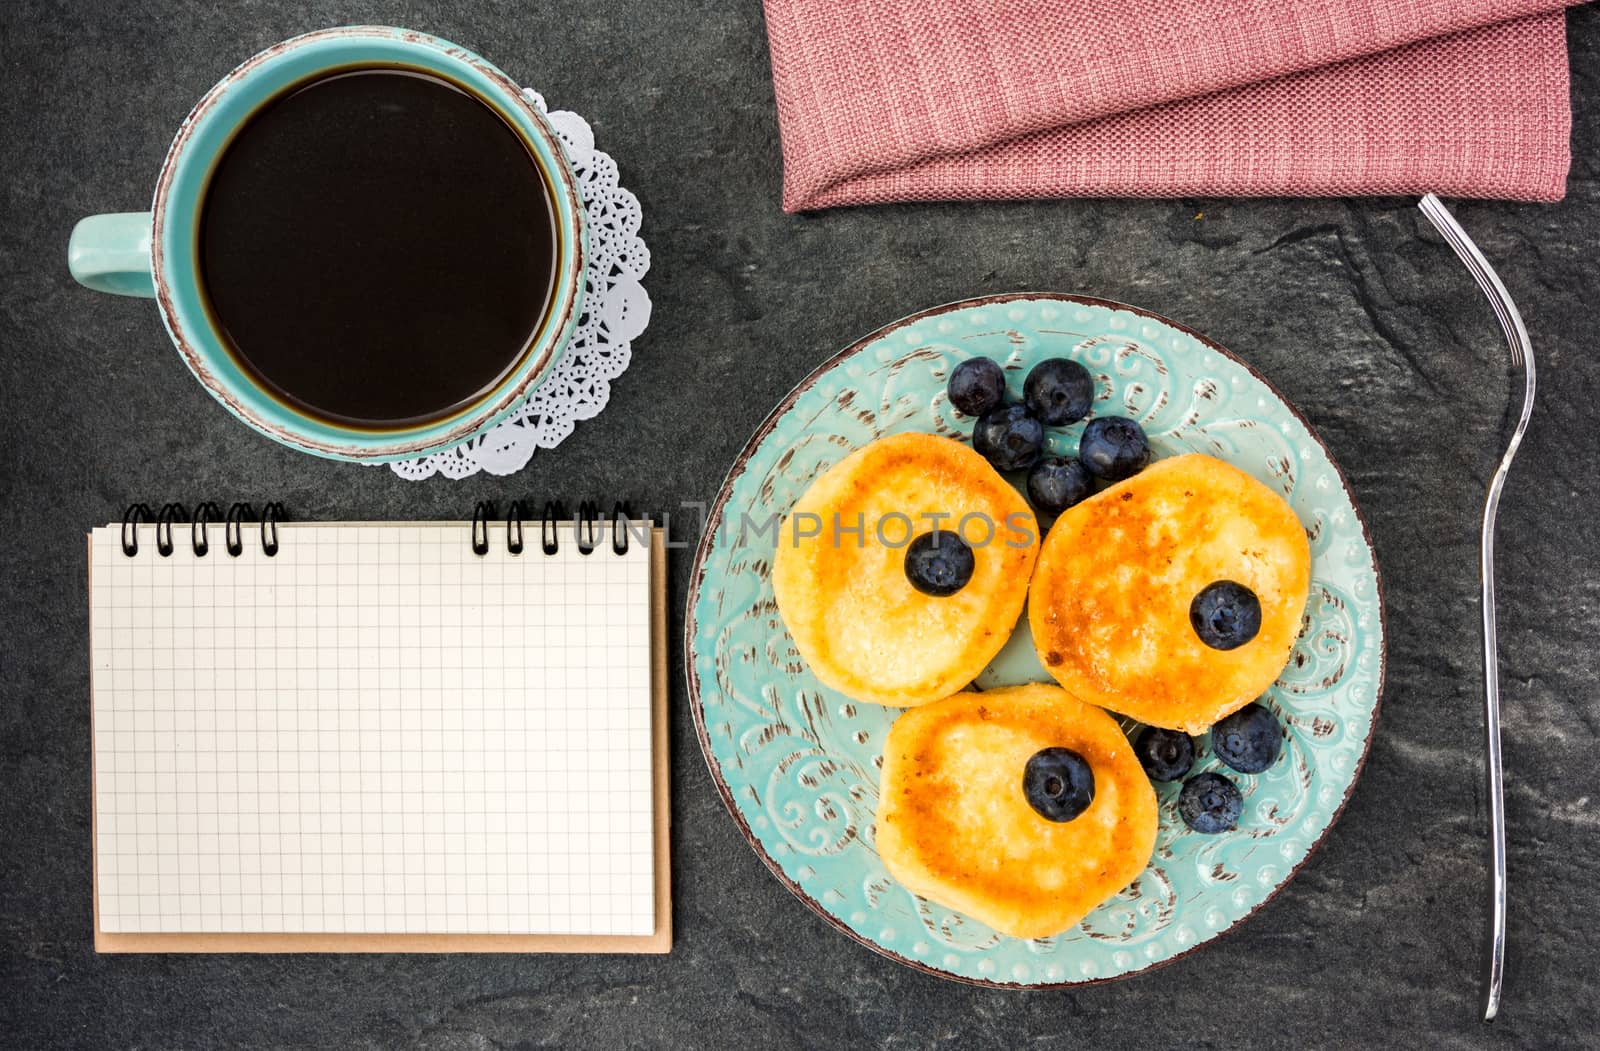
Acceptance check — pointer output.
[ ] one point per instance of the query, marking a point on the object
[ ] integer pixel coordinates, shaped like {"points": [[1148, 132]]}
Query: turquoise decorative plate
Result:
{"points": [[797, 763]]}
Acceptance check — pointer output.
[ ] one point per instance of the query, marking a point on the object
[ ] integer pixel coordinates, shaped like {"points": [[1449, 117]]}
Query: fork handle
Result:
{"points": [[1494, 771], [1521, 355]]}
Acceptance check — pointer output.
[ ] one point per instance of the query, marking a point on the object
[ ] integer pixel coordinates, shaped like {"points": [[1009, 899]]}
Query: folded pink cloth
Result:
{"points": [[916, 100]]}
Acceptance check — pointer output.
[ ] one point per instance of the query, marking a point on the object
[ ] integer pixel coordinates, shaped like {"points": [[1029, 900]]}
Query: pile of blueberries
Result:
{"points": [[1056, 393], [1249, 741], [1059, 783]]}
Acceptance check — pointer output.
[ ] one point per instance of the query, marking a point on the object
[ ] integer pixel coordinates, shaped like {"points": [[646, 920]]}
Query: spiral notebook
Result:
{"points": [[351, 737]]}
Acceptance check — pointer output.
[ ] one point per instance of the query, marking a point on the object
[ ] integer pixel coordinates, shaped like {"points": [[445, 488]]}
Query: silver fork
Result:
{"points": [[1522, 361]]}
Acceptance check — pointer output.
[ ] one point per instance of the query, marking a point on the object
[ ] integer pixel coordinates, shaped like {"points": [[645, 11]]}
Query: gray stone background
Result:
{"points": [[1353, 308]]}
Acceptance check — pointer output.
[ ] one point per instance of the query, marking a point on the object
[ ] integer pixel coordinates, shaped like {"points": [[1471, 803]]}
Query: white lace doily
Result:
{"points": [[615, 310]]}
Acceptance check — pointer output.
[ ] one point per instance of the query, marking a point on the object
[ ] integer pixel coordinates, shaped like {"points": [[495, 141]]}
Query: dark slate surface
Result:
{"points": [[1353, 308]]}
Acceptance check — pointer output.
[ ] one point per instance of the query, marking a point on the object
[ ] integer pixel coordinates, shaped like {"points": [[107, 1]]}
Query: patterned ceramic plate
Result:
{"points": [[798, 764]]}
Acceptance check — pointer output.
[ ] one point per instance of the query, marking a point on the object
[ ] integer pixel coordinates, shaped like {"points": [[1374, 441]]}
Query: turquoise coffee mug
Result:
{"points": [[154, 254]]}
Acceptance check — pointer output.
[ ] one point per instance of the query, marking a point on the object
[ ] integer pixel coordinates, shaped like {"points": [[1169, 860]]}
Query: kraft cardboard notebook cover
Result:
{"points": [[376, 738]]}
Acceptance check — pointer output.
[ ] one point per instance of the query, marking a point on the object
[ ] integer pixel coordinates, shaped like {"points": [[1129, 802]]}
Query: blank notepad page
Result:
{"points": [[374, 730]]}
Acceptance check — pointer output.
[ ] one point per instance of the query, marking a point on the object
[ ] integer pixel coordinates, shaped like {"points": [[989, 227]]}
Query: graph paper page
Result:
{"points": [[374, 731]]}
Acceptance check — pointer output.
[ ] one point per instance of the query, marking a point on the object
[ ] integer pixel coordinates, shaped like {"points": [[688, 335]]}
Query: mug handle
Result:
{"points": [[111, 253]]}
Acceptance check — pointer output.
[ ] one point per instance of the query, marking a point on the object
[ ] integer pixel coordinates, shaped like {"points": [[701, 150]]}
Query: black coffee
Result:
{"points": [[378, 247]]}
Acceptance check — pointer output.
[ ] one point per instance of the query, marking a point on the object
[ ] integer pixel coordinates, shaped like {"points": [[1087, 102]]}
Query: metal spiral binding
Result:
{"points": [[587, 527], [233, 527], [206, 513], [199, 540], [549, 540], [514, 517], [169, 514], [269, 517], [131, 518], [619, 528], [480, 527]]}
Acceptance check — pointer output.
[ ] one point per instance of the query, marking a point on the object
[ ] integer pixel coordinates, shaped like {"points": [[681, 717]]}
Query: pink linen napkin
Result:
{"points": [[917, 100]]}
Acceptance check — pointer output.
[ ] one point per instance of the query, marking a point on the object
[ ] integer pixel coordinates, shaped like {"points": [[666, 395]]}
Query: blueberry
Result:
{"points": [[1166, 755], [977, 386], [1056, 484], [1009, 438], [1058, 391], [939, 563], [1113, 448], [1225, 615], [1059, 783], [1249, 740], [1210, 803]]}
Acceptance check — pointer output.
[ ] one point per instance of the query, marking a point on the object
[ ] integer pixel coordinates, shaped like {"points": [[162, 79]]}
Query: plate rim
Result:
{"points": [[713, 521]]}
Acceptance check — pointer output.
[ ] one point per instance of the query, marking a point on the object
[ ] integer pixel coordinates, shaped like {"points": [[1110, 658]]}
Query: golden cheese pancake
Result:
{"points": [[956, 826], [840, 570], [1118, 573]]}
